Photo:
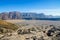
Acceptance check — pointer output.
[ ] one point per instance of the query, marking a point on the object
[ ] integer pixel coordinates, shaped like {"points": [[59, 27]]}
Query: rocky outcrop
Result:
{"points": [[23, 31]]}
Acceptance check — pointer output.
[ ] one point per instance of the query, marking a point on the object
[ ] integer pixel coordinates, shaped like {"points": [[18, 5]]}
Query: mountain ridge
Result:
{"points": [[24, 15]]}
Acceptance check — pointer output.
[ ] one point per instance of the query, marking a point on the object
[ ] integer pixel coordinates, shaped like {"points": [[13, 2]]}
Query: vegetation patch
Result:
{"points": [[7, 25]]}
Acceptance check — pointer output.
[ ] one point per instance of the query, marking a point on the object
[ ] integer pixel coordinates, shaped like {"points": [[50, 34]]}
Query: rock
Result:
{"points": [[1, 36], [23, 31]]}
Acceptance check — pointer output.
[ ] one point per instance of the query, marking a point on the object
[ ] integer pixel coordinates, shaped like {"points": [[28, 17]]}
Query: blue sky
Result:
{"points": [[49, 7]]}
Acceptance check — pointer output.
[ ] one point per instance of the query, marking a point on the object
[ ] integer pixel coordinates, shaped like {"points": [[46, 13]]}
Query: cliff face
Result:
{"points": [[14, 15]]}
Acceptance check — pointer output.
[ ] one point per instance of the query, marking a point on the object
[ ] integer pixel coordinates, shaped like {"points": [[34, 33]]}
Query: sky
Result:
{"points": [[48, 7]]}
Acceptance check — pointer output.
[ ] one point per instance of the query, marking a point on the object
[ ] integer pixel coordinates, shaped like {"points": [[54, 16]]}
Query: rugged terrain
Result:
{"points": [[31, 30]]}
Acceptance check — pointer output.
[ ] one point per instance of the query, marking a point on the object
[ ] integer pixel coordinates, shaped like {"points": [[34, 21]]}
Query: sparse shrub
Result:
{"points": [[23, 31], [32, 29]]}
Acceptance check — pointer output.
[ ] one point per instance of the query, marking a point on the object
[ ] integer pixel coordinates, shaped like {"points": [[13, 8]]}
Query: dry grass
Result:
{"points": [[7, 25]]}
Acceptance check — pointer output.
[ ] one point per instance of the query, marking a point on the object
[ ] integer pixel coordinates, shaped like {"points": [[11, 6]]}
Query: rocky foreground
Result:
{"points": [[31, 30]]}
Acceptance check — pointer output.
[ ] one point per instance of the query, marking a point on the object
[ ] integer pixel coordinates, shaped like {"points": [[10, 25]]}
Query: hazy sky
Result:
{"points": [[49, 7]]}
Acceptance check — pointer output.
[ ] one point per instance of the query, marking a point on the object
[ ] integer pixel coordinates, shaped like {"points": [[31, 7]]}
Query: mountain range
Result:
{"points": [[24, 15]]}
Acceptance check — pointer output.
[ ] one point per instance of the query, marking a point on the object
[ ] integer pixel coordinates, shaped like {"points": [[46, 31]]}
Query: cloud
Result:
{"points": [[48, 11]]}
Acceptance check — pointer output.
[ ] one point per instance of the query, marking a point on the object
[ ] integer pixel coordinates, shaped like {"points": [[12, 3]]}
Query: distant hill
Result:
{"points": [[28, 16]]}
